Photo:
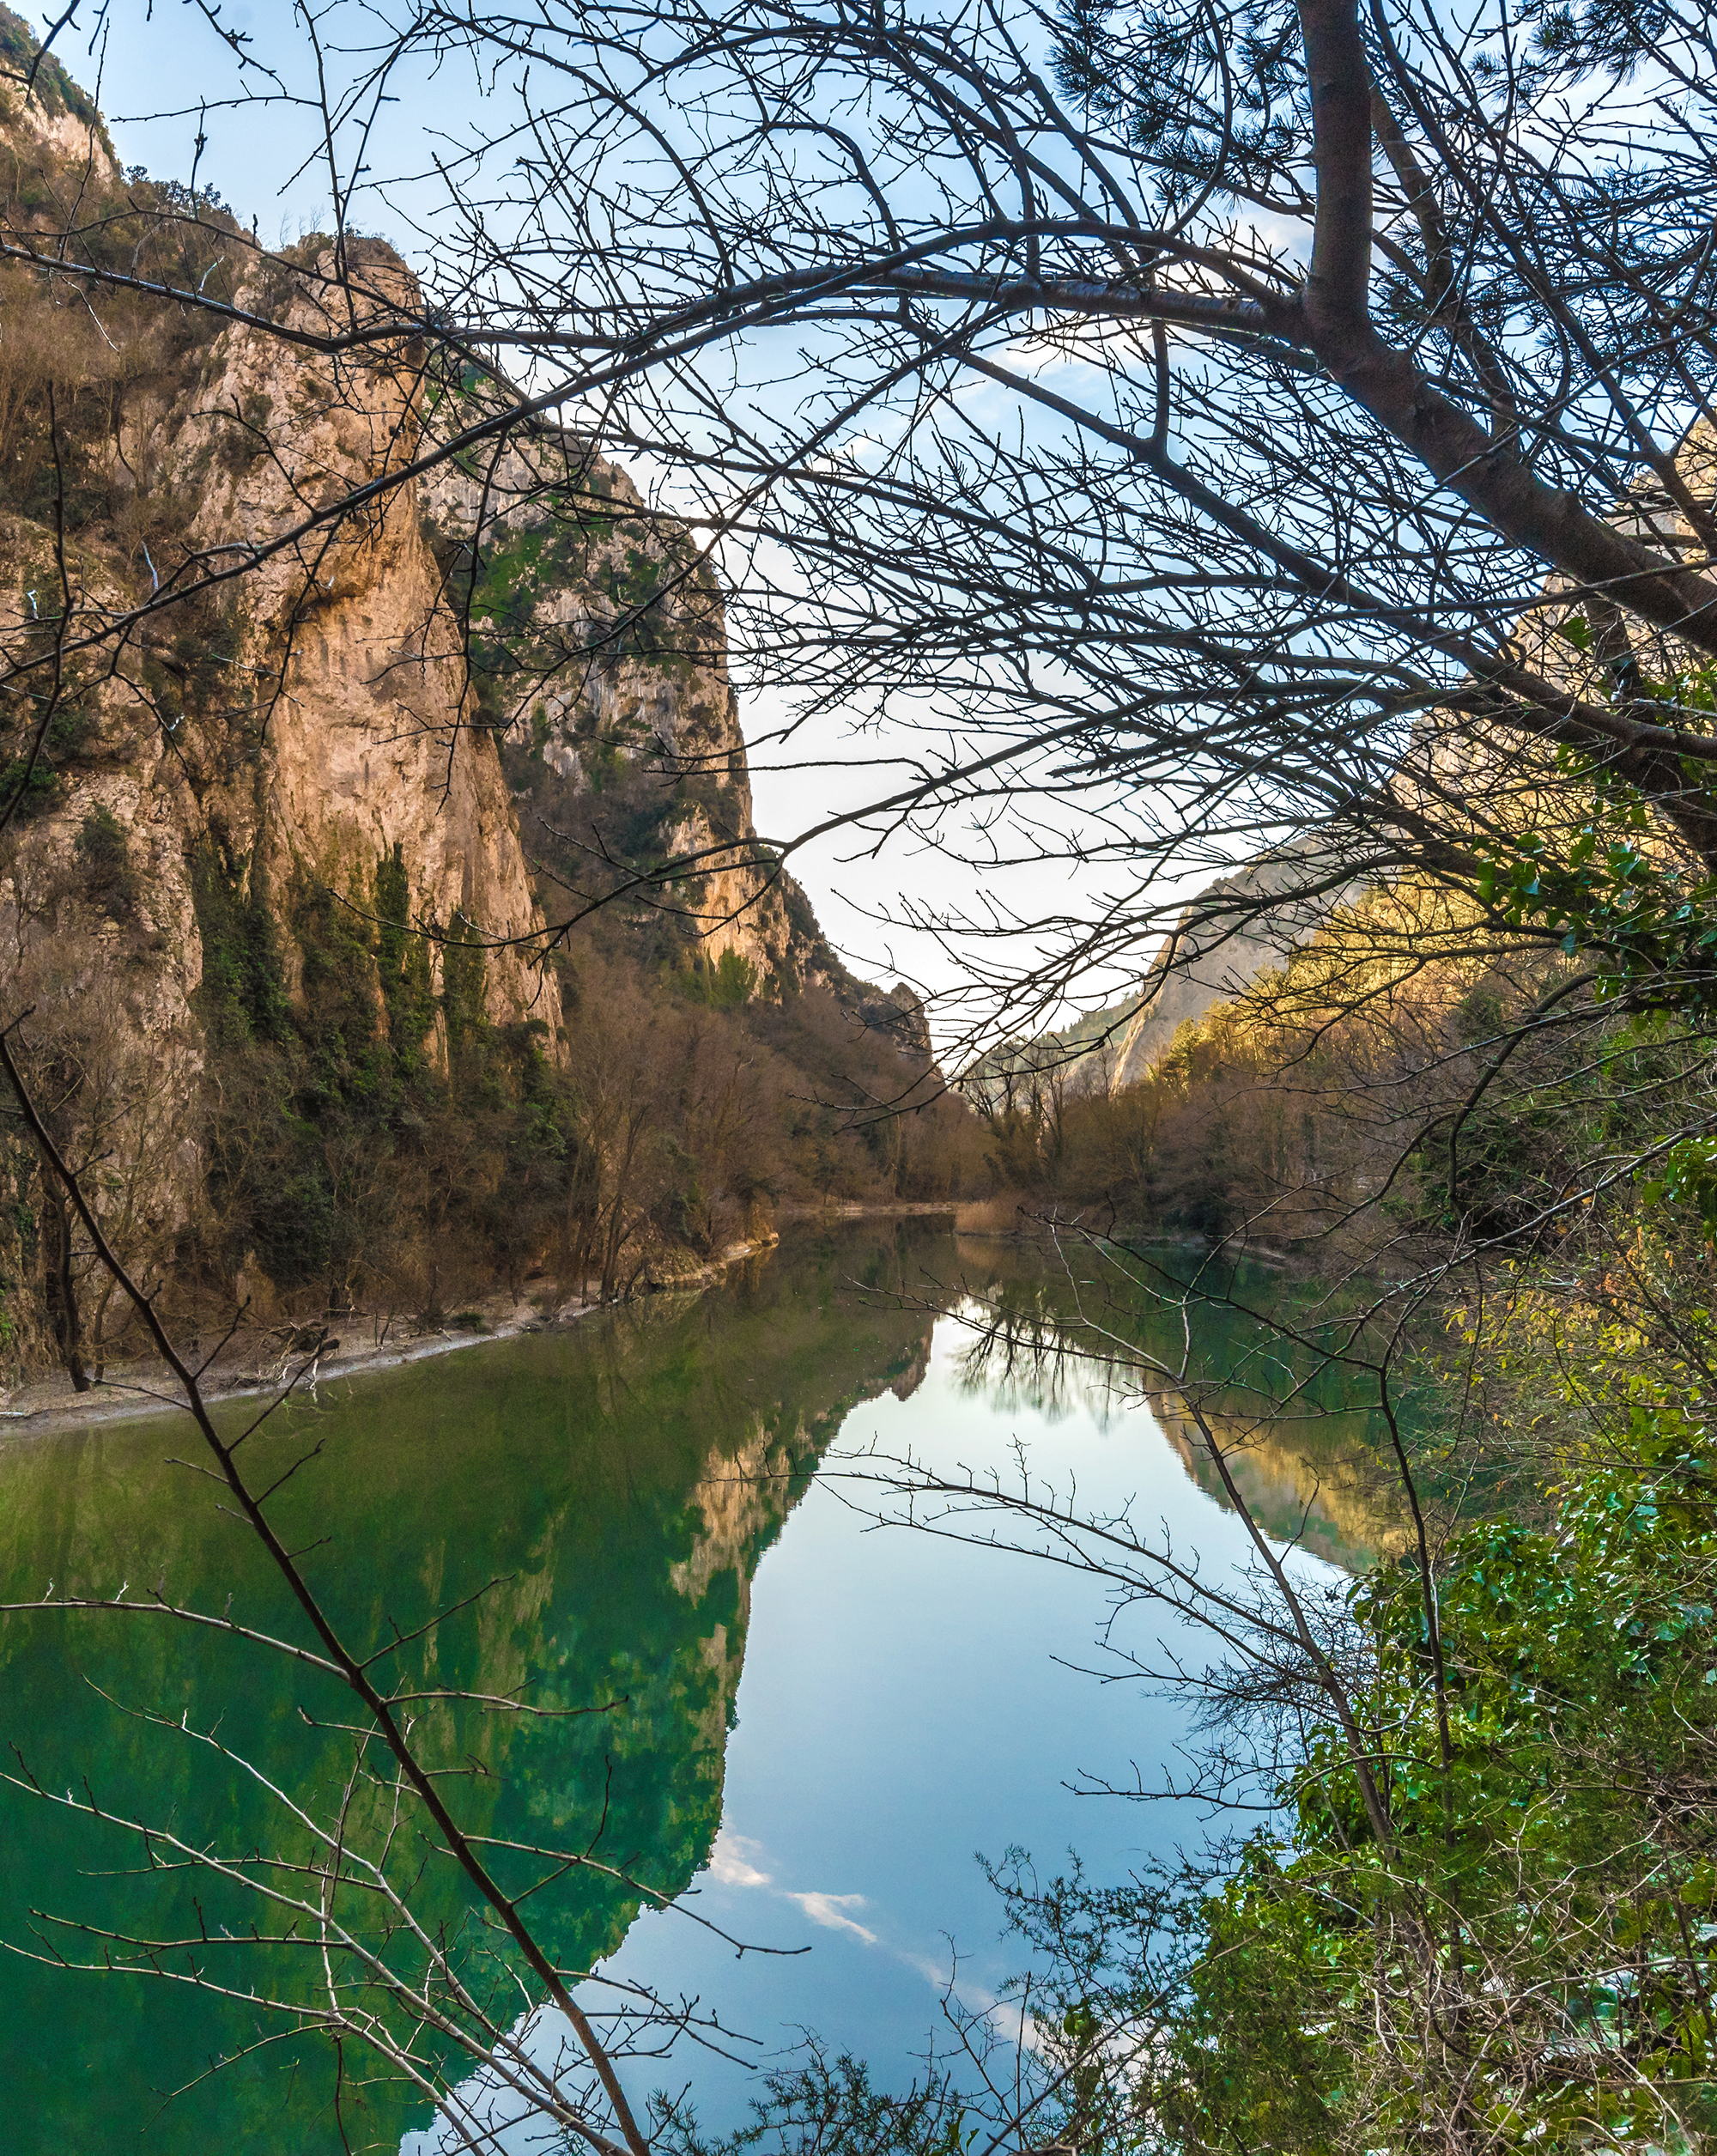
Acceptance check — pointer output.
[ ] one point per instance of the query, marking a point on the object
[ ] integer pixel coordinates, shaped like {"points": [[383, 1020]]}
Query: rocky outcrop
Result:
{"points": [[297, 726], [302, 703], [599, 654], [1243, 925], [1237, 929], [357, 693], [42, 109]]}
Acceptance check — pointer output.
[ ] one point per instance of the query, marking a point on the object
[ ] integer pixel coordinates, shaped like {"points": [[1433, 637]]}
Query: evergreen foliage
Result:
{"points": [[243, 992], [334, 1139], [403, 965], [31, 777], [109, 879]]}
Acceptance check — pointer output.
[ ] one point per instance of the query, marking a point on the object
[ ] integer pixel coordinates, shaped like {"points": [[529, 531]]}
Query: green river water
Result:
{"points": [[613, 1488]]}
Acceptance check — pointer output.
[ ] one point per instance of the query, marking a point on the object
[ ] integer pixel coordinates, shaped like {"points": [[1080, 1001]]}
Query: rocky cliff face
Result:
{"points": [[298, 713], [598, 654], [1238, 928], [281, 735], [355, 692], [302, 765]]}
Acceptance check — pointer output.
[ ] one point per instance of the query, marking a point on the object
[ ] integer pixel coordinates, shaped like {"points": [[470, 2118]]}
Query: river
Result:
{"points": [[819, 1721]]}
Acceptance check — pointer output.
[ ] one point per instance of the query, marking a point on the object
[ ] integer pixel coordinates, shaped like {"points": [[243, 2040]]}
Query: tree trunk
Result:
{"points": [[59, 1286]]}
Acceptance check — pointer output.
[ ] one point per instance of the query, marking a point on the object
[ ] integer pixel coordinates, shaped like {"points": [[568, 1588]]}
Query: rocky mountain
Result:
{"points": [[598, 658], [1238, 927], [306, 715], [312, 776]]}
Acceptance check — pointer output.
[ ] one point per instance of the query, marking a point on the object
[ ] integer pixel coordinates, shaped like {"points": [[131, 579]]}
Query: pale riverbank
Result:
{"points": [[255, 1362], [258, 1360]]}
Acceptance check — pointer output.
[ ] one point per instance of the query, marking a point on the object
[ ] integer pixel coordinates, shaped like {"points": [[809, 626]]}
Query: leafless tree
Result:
{"points": [[1161, 435], [1162, 420]]}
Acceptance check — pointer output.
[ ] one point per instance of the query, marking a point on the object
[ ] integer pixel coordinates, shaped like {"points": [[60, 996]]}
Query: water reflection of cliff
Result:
{"points": [[1088, 1330], [1315, 1481], [604, 1495], [745, 1493]]}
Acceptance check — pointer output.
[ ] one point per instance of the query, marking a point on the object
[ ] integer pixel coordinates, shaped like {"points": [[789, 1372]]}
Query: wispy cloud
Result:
{"points": [[827, 1909], [736, 1861], [730, 1862]]}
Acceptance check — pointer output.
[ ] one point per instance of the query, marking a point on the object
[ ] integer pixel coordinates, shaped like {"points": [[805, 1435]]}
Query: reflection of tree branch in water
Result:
{"points": [[1227, 1378], [1310, 1471]]}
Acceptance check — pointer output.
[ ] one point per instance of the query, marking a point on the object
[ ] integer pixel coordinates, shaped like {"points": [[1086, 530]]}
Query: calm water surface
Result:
{"points": [[820, 1722]]}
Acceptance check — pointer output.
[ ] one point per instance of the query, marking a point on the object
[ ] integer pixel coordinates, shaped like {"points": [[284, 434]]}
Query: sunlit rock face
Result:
{"points": [[301, 723], [307, 688], [369, 739], [599, 655], [336, 687]]}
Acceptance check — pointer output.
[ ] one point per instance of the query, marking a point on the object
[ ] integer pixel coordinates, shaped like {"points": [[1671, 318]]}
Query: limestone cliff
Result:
{"points": [[270, 709], [1237, 928], [353, 665], [598, 654], [310, 761], [297, 726]]}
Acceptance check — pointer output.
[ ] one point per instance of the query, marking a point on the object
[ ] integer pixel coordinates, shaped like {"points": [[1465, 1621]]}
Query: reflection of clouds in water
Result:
{"points": [[487, 2116], [736, 1860], [1010, 2021], [733, 1862]]}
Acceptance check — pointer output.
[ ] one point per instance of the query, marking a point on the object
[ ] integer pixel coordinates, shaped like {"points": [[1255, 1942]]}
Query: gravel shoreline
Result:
{"points": [[257, 1362]]}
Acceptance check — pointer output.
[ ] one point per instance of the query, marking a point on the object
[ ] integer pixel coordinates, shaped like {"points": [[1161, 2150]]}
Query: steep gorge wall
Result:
{"points": [[301, 723], [310, 707], [360, 707], [268, 718], [599, 653]]}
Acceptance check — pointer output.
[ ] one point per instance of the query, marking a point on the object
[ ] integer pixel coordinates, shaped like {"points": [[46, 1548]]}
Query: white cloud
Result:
{"points": [[1015, 2024], [932, 1971], [826, 1910], [730, 1862]]}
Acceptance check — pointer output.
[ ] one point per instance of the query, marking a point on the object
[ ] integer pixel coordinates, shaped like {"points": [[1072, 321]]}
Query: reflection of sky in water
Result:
{"points": [[906, 1702]]}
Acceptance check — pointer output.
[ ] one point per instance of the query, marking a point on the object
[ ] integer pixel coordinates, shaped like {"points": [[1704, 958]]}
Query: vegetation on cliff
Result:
{"points": [[267, 898]]}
